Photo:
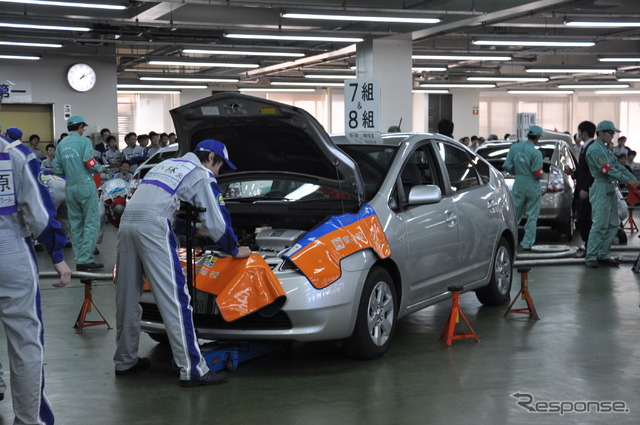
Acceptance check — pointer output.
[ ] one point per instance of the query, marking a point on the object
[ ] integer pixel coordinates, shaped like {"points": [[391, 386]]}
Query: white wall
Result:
{"points": [[48, 79], [465, 102]]}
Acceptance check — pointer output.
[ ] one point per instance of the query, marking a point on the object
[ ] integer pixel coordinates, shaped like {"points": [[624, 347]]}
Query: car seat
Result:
{"points": [[410, 177]]}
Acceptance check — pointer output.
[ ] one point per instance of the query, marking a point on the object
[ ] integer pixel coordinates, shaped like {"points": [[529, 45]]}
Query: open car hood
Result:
{"points": [[263, 136]]}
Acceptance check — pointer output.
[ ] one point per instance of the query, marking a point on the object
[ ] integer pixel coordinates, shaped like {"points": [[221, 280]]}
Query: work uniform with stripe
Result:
{"points": [[146, 243], [74, 160], [606, 172], [525, 161], [26, 208]]}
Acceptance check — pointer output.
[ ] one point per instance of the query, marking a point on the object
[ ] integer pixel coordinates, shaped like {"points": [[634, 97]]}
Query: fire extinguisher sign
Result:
{"points": [[362, 104]]}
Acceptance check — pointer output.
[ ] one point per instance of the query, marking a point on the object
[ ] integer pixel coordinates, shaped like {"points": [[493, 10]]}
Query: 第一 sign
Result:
{"points": [[362, 105]]}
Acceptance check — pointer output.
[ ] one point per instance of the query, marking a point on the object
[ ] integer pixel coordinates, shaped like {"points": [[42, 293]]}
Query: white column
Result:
{"points": [[465, 122], [390, 62]]}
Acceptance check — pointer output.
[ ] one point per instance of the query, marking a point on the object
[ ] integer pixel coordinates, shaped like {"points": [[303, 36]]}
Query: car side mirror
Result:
{"points": [[424, 194]]}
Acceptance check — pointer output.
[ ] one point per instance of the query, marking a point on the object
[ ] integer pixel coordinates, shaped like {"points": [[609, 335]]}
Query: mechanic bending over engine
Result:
{"points": [[147, 243], [525, 161]]}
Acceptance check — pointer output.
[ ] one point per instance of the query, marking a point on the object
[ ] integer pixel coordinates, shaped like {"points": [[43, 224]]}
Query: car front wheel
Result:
{"points": [[376, 317], [498, 290]]}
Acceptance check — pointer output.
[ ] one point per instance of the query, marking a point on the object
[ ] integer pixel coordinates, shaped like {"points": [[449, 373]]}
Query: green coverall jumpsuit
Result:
{"points": [[607, 171], [74, 159], [525, 161]]}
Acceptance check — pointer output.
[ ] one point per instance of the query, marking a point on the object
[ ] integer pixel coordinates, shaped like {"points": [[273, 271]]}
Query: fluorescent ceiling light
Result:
{"points": [[149, 91], [20, 57], [331, 77], [243, 53], [629, 80], [68, 4], [159, 86], [296, 38], [516, 79], [192, 80], [619, 59], [461, 57], [560, 70], [592, 86], [28, 44], [42, 27], [397, 19], [178, 62], [458, 85], [430, 91], [277, 90], [540, 92], [428, 69], [540, 43], [316, 83], [617, 92], [601, 24]]}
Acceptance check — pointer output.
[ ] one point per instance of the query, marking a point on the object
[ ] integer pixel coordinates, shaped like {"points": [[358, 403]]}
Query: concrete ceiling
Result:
{"points": [[147, 30]]}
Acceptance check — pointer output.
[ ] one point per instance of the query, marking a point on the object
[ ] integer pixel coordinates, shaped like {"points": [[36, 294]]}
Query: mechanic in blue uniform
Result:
{"points": [[606, 172], [146, 243], [525, 161], [24, 200]]}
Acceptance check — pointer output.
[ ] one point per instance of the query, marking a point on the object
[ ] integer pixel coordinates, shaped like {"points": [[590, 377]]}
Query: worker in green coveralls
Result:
{"points": [[74, 160], [525, 161], [607, 172]]}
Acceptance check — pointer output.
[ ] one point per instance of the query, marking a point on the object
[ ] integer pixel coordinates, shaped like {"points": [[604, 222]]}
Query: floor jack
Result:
{"points": [[81, 321], [218, 355]]}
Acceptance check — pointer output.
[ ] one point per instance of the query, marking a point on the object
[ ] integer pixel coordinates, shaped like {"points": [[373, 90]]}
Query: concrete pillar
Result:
{"points": [[465, 121], [390, 62]]}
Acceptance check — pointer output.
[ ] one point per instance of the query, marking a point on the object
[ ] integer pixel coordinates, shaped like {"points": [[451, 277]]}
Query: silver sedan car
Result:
{"points": [[444, 215]]}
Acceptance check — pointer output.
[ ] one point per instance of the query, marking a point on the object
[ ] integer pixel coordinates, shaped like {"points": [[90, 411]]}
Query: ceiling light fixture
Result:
{"points": [[149, 92], [331, 77], [20, 57], [68, 4], [28, 44], [461, 57], [390, 19], [211, 64], [629, 80], [295, 38], [159, 86], [43, 27], [601, 24], [617, 92], [458, 86], [618, 59], [537, 43], [540, 92], [565, 70], [593, 86], [191, 79], [243, 53], [428, 69], [269, 89], [513, 79], [427, 91], [316, 83]]}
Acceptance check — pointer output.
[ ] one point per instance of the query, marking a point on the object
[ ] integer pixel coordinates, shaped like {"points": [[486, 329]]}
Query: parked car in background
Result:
{"points": [[557, 185], [169, 151], [423, 212]]}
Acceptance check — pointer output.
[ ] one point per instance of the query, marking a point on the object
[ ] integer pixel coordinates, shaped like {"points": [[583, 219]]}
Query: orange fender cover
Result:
{"points": [[318, 254]]}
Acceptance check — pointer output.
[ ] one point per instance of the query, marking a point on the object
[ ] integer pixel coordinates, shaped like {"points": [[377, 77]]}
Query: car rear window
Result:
{"points": [[373, 161]]}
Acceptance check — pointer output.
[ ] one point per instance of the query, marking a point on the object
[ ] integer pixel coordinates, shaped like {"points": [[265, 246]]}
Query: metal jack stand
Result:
{"points": [[448, 332], [524, 292], [81, 321]]}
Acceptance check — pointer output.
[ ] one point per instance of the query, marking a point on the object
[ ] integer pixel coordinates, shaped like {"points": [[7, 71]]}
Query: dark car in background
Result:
{"points": [[557, 185]]}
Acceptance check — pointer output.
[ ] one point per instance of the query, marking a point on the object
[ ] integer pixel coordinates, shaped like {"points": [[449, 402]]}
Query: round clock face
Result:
{"points": [[81, 77]]}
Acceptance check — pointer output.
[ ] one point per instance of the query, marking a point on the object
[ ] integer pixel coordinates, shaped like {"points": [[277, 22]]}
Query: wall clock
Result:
{"points": [[81, 77]]}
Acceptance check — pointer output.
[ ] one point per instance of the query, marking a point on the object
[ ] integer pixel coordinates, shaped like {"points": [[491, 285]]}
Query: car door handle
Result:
{"points": [[452, 218]]}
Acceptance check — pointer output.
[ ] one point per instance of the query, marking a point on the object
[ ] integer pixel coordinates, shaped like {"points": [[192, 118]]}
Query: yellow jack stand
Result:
{"points": [[448, 332], [81, 321], [524, 293]]}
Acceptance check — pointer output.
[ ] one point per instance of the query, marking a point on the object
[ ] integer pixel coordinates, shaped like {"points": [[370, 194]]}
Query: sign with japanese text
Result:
{"points": [[362, 105]]}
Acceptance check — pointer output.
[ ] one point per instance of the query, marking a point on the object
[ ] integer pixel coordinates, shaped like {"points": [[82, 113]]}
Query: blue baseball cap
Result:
{"points": [[76, 119], [216, 147], [534, 130], [14, 133]]}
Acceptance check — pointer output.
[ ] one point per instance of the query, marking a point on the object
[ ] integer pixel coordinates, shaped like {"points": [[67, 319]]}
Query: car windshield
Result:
{"points": [[373, 161], [496, 155]]}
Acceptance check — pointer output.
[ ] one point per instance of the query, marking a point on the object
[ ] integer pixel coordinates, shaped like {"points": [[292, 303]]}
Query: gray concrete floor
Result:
{"points": [[585, 348]]}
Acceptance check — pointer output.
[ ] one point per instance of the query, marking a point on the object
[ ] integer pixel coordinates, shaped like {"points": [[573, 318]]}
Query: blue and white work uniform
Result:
{"points": [[146, 243], [23, 199]]}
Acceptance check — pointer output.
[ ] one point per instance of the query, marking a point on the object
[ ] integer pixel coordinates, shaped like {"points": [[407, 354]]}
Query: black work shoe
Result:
{"points": [[142, 364], [592, 264], [612, 262], [89, 266], [209, 378], [96, 251]]}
